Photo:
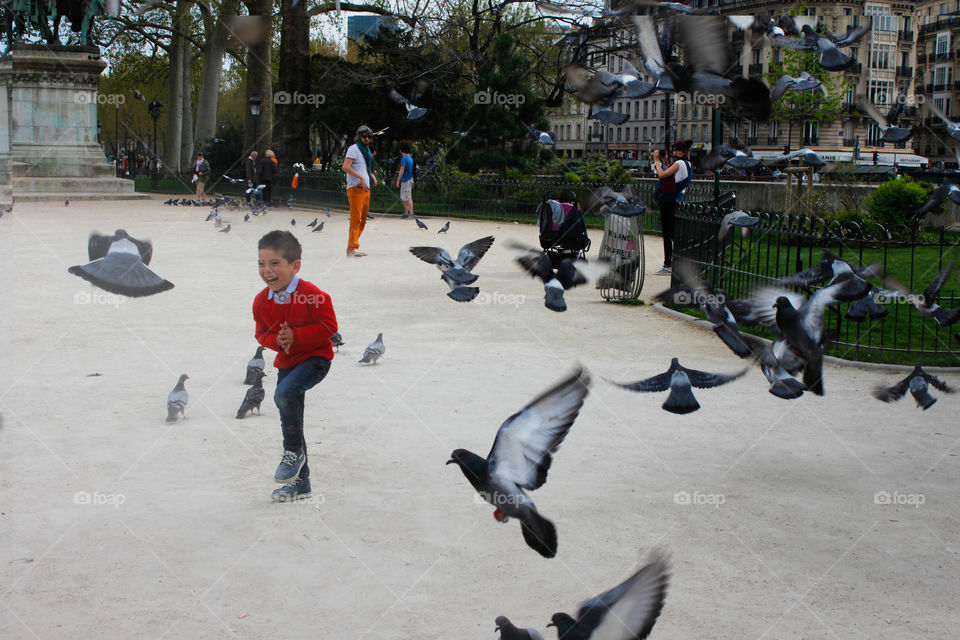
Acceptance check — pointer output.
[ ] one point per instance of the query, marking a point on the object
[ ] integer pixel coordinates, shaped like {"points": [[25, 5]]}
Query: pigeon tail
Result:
{"points": [[173, 409], [540, 535], [813, 374], [787, 388], [463, 294], [461, 276], [681, 401], [946, 317], [731, 338], [553, 299]]}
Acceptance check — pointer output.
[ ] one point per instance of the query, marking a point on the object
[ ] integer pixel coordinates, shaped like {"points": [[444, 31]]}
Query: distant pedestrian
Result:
{"points": [[268, 169], [673, 180], [250, 168], [405, 178], [358, 165], [202, 171]]}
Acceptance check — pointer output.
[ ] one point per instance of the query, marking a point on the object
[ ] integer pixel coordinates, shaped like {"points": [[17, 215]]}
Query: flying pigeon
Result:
{"points": [[736, 219], [253, 397], [317, 228], [373, 351], [831, 58], [521, 457], [953, 128], [712, 303], [679, 380], [779, 365], [535, 136], [413, 112], [803, 82], [420, 225], [626, 612], [336, 340], [608, 115], [807, 156], [314, 223], [736, 158], [226, 229], [926, 303], [568, 274], [828, 270], [177, 400], [887, 124], [859, 309], [916, 383], [621, 203], [510, 632], [118, 264], [255, 366], [944, 191], [445, 227], [457, 273]]}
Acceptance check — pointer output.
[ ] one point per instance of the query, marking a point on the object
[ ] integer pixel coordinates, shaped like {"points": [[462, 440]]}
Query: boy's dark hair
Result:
{"points": [[283, 242], [405, 146]]}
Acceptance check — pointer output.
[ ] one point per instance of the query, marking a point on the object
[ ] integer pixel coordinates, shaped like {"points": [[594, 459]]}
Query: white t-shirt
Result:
{"points": [[359, 165], [681, 173]]}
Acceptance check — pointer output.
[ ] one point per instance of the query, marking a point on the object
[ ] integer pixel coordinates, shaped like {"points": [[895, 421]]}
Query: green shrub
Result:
{"points": [[895, 201]]}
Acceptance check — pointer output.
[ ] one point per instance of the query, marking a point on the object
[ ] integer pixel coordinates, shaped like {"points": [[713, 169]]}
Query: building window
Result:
{"points": [[636, 110], [567, 137], [626, 134], [882, 20], [636, 134], [943, 103], [683, 132], [880, 56], [773, 129], [645, 112], [811, 133], [578, 132], [693, 132], [943, 43], [655, 108], [879, 92], [873, 135]]}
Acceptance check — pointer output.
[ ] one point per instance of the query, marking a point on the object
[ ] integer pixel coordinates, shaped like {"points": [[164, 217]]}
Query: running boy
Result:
{"points": [[296, 319]]}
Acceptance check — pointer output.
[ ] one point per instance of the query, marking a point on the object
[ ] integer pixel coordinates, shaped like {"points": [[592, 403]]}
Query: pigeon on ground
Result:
{"points": [[521, 457], [337, 340], [217, 221], [246, 217], [66, 203], [944, 191], [916, 383], [314, 223], [317, 228], [255, 366], [457, 273], [226, 229], [626, 612], [568, 274], [736, 219], [168, 202], [510, 632], [293, 222], [373, 351], [420, 225], [926, 303], [327, 212], [254, 397], [177, 400], [118, 264], [679, 380], [413, 112], [445, 227]]}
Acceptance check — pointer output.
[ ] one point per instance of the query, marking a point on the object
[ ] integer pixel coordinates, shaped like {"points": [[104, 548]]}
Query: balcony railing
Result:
{"points": [[771, 139], [940, 57], [904, 72], [849, 142], [940, 25], [855, 68], [755, 69], [940, 86], [810, 141], [751, 141], [906, 36]]}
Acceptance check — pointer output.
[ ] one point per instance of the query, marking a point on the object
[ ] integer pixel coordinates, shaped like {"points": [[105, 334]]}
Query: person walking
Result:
{"points": [[202, 171], [673, 181], [358, 165], [250, 168], [405, 178], [268, 169]]}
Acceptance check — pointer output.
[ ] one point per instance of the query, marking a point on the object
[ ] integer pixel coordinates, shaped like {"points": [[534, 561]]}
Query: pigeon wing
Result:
{"points": [[123, 274], [931, 293], [704, 380], [471, 253], [629, 610], [819, 273], [649, 45], [894, 393], [659, 382], [759, 308], [434, 255], [521, 451]]}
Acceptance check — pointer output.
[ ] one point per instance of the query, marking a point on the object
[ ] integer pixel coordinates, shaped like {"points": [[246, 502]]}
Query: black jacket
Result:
{"points": [[250, 166], [267, 170]]}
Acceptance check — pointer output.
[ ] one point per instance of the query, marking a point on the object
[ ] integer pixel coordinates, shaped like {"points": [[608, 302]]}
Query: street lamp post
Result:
{"points": [[154, 109], [254, 103]]}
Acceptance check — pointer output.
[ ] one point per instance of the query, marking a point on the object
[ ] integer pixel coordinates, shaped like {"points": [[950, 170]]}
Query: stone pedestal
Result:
{"points": [[52, 101]]}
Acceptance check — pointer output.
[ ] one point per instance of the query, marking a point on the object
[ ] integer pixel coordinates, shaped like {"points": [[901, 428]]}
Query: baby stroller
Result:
{"points": [[563, 233]]}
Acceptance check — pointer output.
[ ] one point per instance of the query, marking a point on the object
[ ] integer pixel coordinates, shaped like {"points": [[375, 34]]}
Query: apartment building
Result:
{"points": [[886, 60], [938, 48]]}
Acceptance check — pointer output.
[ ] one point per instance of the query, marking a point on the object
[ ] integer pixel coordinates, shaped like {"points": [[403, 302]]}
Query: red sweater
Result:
{"points": [[309, 311]]}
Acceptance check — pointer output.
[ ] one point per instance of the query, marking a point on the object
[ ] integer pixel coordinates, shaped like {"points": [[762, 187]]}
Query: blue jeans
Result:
{"points": [[292, 385]]}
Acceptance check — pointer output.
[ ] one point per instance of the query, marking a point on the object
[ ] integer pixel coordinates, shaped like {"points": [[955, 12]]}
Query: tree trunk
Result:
{"points": [[217, 34], [259, 84], [292, 132], [178, 58], [186, 134]]}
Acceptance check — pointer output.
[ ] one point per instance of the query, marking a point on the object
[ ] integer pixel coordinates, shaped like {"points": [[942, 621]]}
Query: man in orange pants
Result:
{"points": [[358, 165]]}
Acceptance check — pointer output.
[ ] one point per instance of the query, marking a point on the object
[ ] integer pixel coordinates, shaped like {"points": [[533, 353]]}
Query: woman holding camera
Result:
{"points": [[673, 181]]}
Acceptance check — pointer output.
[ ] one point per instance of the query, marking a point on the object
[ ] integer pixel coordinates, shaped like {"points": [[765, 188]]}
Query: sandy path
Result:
{"points": [[181, 540]]}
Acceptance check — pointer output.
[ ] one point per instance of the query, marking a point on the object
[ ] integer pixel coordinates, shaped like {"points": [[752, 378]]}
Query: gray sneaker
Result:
{"points": [[665, 271], [299, 488], [290, 466]]}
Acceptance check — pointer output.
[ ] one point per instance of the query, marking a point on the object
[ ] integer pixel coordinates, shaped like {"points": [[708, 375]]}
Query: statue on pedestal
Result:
{"points": [[23, 17]]}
